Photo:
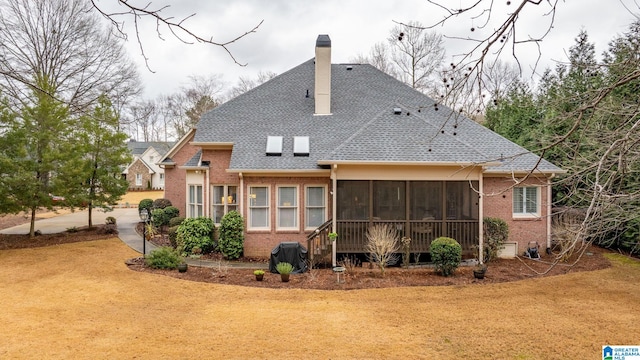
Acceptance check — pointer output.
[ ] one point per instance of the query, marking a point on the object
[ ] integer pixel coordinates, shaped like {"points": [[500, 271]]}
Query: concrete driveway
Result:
{"points": [[126, 219]]}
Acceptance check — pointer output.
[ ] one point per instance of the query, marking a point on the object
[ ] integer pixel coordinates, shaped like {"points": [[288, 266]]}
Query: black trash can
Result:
{"points": [[293, 253]]}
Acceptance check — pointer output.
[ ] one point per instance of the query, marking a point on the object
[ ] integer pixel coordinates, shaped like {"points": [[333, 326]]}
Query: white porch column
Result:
{"points": [[334, 211]]}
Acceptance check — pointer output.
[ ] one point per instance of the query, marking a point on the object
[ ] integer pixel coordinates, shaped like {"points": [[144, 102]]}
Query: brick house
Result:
{"points": [[143, 173], [338, 147]]}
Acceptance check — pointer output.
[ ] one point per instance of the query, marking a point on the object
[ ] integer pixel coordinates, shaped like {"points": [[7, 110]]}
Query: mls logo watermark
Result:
{"points": [[620, 352]]}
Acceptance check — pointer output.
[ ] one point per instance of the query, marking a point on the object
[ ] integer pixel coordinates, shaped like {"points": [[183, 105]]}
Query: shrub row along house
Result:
{"points": [[339, 147]]}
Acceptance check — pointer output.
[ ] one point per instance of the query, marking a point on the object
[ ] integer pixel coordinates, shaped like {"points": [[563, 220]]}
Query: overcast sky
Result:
{"points": [[287, 36]]}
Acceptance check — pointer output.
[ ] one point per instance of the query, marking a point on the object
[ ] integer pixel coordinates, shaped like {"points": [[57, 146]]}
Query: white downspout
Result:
{"points": [[241, 200], [209, 196], [549, 209], [334, 211], [481, 219]]}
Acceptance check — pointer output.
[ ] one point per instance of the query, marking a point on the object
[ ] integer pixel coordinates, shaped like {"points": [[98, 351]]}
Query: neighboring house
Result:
{"points": [[339, 147], [143, 173]]}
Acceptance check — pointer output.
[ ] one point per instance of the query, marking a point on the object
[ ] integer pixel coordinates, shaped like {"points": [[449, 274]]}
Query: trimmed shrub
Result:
{"points": [[196, 233], [171, 212], [110, 229], [161, 203], [145, 204], [446, 255], [496, 232], [110, 220], [159, 218], [176, 221], [163, 258], [231, 235], [173, 236]]}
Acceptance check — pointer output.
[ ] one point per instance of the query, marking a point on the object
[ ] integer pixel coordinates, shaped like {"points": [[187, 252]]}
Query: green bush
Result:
{"points": [[496, 232], [163, 258], [110, 220], [173, 236], [159, 218], [196, 233], [171, 212], [145, 204], [446, 255], [175, 221], [161, 203], [231, 235]]}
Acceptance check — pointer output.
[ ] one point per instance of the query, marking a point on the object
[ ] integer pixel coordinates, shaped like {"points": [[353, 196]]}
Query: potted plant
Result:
{"points": [[182, 267], [284, 269], [333, 236], [479, 271], [259, 274]]}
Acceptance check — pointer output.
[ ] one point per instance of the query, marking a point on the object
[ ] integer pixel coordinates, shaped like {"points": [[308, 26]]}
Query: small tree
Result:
{"points": [[231, 243], [446, 254], [382, 245]]}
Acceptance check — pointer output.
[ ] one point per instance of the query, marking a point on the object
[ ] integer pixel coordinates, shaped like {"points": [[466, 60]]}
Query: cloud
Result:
{"points": [[287, 36]]}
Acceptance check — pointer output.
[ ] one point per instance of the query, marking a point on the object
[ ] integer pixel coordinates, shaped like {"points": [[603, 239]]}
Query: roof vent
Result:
{"points": [[274, 145], [349, 67], [300, 146], [397, 111]]}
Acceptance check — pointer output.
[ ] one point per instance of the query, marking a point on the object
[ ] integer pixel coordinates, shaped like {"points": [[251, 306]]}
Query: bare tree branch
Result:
{"points": [[178, 28]]}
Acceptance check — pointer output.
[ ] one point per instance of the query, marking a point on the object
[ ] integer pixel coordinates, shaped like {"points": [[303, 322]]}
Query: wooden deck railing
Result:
{"points": [[318, 242], [352, 234]]}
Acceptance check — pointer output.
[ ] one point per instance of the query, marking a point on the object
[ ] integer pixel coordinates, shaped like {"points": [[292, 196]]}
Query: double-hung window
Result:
{"points": [[195, 201], [138, 179], [526, 201], [259, 207], [315, 206], [287, 208], [225, 199]]}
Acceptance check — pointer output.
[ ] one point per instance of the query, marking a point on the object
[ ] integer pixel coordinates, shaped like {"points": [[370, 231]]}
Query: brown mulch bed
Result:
{"points": [[359, 277], [362, 277], [23, 241]]}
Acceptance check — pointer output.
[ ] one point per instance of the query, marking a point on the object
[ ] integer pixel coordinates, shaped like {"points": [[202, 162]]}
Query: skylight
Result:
{"points": [[300, 146], [274, 145]]}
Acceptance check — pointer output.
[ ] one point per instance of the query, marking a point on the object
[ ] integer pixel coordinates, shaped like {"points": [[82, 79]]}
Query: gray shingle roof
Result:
{"points": [[362, 127], [139, 147]]}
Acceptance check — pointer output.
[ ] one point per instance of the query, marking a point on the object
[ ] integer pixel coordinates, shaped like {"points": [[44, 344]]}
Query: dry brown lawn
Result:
{"points": [[134, 197], [79, 301]]}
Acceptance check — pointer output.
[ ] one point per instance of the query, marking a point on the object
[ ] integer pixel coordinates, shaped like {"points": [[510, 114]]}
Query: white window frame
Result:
{"points": [[225, 201], [138, 179], [250, 208], [307, 206], [193, 206], [295, 207], [161, 179], [523, 214]]}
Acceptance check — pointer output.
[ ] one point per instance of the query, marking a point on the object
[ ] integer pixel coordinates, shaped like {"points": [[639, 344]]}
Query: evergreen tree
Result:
{"points": [[96, 176]]}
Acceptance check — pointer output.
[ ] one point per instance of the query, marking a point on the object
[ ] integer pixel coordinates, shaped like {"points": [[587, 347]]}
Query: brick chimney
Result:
{"points": [[322, 93]]}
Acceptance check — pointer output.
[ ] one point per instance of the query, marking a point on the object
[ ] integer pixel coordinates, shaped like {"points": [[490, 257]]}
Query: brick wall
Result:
{"points": [[498, 202], [260, 243]]}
